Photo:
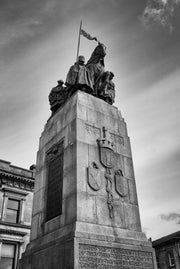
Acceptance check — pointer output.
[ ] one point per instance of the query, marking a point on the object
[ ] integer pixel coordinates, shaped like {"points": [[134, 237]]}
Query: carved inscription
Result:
{"points": [[92, 130], [54, 182], [113, 258], [117, 139]]}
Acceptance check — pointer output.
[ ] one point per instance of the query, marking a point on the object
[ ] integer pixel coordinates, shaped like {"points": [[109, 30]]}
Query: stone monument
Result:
{"points": [[85, 211]]}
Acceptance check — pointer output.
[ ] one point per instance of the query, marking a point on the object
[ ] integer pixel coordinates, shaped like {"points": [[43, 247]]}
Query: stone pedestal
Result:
{"points": [[85, 212]]}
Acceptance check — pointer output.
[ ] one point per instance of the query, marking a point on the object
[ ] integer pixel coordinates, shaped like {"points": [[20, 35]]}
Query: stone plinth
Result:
{"points": [[85, 212]]}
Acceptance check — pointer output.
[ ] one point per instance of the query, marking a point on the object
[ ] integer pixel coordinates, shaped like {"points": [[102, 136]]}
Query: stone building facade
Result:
{"points": [[16, 197], [167, 251]]}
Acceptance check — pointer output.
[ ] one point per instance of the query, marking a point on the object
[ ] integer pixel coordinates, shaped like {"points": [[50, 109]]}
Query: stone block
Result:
{"points": [[98, 105], [122, 128], [86, 208], [26, 262], [40, 162], [88, 132], [127, 147], [70, 204], [27, 214], [40, 179], [119, 162], [128, 168], [132, 217], [81, 111], [118, 141], [71, 137], [39, 200], [34, 227], [82, 164], [102, 211], [132, 192], [119, 214], [69, 181], [70, 154], [62, 135], [47, 258], [93, 156], [52, 224], [1, 204], [100, 119], [82, 154]]}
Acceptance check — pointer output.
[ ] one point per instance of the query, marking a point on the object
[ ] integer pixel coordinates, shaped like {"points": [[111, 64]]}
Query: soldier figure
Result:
{"points": [[77, 77], [57, 96], [106, 88]]}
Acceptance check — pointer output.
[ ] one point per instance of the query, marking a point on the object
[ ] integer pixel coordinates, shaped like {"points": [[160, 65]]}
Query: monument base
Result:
{"points": [[85, 210], [74, 247]]}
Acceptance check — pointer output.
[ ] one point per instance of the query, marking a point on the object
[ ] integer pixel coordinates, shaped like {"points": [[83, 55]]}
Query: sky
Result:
{"points": [[38, 43]]}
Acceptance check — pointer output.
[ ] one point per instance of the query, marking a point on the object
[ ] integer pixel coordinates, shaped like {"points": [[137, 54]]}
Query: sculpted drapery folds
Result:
{"points": [[57, 96], [87, 75], [90, 77], [78, 77], [95, 65], [106, 87]]}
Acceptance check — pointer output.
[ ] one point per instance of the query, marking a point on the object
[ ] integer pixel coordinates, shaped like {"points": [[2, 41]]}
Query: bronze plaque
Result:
{"points": [[54, 182], [100, 257]]}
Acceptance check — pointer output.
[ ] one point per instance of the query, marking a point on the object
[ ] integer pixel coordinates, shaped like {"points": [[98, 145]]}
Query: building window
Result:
{"points": [[7, 260], [178, 249], [12, 210], [171, 259], [158, 263]]}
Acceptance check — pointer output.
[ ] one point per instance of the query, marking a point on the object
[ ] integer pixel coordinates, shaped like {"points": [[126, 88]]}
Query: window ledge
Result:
{"points": [[20, 225]]}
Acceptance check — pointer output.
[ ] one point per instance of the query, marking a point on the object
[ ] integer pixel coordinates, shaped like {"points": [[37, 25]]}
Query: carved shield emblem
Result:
{"points": [[107, 157], [94, 177], [121, 183]]}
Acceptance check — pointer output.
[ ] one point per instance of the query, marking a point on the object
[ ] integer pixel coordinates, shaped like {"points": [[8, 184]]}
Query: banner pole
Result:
{"points": [[79, 41]]}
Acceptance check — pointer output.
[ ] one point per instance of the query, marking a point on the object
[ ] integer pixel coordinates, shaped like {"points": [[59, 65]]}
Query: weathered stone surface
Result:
{"points": [[132, 217], [128, 168], [113, 258], [70, 209], [38, 201], [85, 217], [132, 192], [86, 208], [1, 203]]}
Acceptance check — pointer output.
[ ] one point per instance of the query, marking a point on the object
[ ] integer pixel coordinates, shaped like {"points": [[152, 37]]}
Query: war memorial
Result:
{"points": [[85, 211]]}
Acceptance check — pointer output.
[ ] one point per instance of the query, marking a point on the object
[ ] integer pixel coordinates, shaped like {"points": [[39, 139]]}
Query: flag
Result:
{"points": [[88, 36]]}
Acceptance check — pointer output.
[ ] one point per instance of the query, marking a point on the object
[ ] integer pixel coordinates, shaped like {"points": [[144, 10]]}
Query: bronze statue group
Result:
{"points": [[90, 78]]}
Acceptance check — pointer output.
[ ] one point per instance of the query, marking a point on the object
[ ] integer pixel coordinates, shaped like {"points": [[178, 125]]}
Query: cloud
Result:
{"points": [[159, 12], [20, 29], [171, 217], [24, 19]]}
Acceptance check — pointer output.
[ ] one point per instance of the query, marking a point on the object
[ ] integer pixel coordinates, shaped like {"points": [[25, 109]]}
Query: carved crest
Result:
{"points": [[121, 184], [54, 151], [106, 151], [94, 177]]}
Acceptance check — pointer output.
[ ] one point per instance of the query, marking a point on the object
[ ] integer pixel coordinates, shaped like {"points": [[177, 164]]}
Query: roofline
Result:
{"points": [[165, 239], [13, 174]]}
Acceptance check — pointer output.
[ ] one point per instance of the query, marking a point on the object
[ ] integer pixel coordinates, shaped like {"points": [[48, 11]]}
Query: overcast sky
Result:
{"points": [[38, 42]]}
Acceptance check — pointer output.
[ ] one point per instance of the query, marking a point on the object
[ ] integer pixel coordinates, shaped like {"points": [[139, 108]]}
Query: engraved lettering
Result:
{"points": [[113, 258], [117, 139], [92, 130]]}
